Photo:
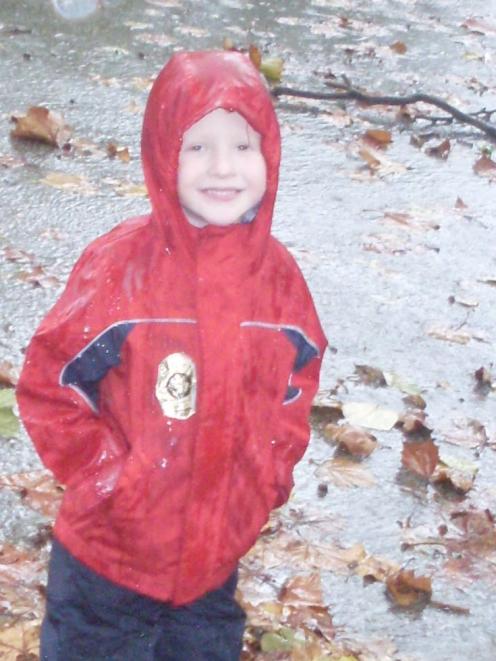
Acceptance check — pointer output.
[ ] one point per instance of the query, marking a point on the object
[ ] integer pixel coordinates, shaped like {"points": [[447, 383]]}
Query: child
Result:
{"points": [[169, 387]]}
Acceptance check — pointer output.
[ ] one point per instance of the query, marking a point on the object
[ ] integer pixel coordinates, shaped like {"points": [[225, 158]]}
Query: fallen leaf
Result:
{"points": [[377, 165], [255, 55], [478, 26], [7, 161], [441, 150], [324, 401], [377, 569], [41, 125], [20, 642], [356, 441], [302, 590], [460, 204], [345, 473], [483, 378], [38, 277], [398, 47], [421, 458], [279, 641], [397, 381], [415, 401], [414, 423], [366, 414], [453, 335], [70, 182], [371, 376], [131, 190], [478, 528], [37, 489], [122, 153], [419, 139], [378, 137], [272, 68], [459, 475], [8, 374], [405, 589], [9, 424], [485, 167], [12, 254]]}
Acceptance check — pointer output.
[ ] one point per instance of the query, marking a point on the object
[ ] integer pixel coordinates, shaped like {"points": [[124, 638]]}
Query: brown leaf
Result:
{"points": [[420, 458], [416, 401], [460, 480], [345, 473], [441, 150], [8, 374], [405, 589], [483, 378], [38, 490], [460, 204], [398, 47], [17, 255], [478, 26], [414, 423], [357, 442], [122, 153], [7, 161], [376, 569], [38, 277], [378, 137], [418, 140], [478, 527], [371, 376], [313, 618], [41, 125], [302, 590], [373, 162], [255, 55], [485, 167]]}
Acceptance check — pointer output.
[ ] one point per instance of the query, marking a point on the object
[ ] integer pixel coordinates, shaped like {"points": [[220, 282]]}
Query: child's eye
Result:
{"points": [[243, 147], [195, 147]]}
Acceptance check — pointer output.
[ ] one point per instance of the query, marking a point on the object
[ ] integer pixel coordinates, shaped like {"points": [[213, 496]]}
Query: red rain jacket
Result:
{"points": [[169, 387]]}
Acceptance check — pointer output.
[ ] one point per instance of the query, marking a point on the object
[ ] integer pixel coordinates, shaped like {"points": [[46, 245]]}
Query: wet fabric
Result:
{"points": [[91, 619], [169, 387]]}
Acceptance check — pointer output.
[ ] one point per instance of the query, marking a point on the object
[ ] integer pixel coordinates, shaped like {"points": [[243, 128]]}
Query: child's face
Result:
{"points": [[222, 171]]}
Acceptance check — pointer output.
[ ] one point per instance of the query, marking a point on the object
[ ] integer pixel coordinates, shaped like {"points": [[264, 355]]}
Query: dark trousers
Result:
{"points": [[89, 618]]}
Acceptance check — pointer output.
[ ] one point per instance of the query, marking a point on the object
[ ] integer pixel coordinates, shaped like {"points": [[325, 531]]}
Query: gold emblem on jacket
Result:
{"points": [[176, 386]]}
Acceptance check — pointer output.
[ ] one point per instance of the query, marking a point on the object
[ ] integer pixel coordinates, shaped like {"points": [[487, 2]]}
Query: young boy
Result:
{"points": [[169, 387]]}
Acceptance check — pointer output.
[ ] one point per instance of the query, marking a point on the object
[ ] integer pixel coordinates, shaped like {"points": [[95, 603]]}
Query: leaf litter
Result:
{"points": [[304, 556]]}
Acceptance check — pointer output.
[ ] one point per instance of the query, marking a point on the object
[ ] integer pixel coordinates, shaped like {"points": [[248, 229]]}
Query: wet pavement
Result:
{"points": [[396, 267]]}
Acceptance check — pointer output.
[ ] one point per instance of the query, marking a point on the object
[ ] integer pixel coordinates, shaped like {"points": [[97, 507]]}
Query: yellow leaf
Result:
{"points": [[367, 414], [345, 473]]}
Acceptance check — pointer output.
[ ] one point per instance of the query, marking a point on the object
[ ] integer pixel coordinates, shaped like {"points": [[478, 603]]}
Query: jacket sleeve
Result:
{"points": [[70, 436], [293, 428]]}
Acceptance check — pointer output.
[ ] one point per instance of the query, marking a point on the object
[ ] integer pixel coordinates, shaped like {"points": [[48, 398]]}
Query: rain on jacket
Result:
{"points": [[169, 387]]}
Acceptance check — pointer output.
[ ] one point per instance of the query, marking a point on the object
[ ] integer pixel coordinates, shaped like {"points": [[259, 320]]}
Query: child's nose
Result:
{"points": [[221, 163]]}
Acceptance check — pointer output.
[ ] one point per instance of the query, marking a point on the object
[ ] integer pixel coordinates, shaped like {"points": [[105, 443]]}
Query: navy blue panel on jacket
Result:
{"points": [[89, 367]]}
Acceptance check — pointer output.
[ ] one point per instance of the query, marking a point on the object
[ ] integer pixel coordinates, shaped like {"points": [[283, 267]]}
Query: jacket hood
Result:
{"points": [[191, 85]]}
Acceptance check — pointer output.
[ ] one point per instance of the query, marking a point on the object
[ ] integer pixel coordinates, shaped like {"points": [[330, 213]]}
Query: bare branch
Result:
{"points": [[349, 93]]}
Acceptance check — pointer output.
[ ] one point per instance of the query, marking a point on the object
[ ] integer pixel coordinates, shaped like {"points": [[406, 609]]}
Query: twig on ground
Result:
{"points": [[349, 93]]}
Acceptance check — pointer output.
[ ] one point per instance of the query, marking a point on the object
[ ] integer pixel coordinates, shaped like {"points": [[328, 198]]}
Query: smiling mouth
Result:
{"points": [[221, 194]]}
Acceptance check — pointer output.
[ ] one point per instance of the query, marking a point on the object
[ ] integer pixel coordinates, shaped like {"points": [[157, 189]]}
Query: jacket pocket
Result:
{"points": [[95, 488]]}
